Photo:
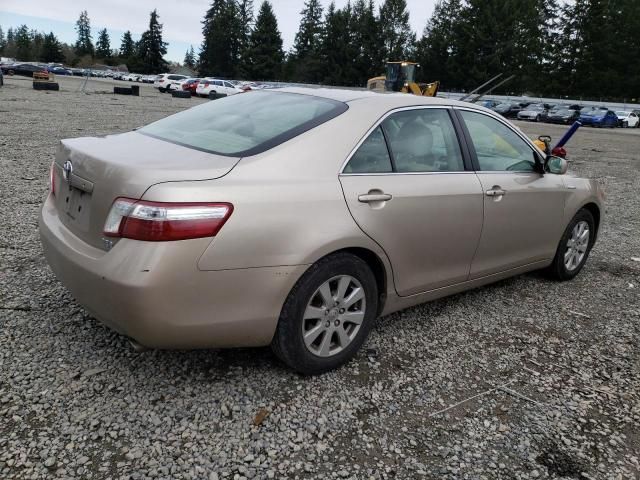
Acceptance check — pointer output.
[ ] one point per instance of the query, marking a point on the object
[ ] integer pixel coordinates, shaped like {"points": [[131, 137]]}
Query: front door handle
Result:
{"points": [[496, 191], [374, 197]]}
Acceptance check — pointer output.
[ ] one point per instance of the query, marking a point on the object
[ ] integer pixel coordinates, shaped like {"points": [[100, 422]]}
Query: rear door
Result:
{"points": [[407, 188], [523, 209]]}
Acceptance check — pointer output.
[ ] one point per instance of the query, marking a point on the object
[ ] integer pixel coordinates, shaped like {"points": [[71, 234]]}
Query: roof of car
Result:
{"points": [[388, 98]]}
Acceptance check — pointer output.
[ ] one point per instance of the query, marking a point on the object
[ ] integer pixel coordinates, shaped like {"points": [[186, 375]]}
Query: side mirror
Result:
{"points": [[556, 165]]}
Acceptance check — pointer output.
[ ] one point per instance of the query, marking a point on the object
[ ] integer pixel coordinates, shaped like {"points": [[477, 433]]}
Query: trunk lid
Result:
{"points": [[124, 165]]}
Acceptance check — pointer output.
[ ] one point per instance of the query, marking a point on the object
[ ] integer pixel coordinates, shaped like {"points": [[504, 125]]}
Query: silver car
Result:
{"points": [[295, 217]]}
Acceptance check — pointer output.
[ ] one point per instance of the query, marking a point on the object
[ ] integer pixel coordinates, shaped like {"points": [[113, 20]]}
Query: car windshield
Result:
{"points": [[564, 112], [535, 107], [622, 114], [245, 124]]}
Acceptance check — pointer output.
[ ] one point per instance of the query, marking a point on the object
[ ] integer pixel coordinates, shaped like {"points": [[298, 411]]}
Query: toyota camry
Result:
{"points": [[295, 217]]}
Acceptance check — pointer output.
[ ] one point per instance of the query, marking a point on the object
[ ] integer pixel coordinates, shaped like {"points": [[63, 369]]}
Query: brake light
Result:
{"points": [[52, 178], [161, 222]]}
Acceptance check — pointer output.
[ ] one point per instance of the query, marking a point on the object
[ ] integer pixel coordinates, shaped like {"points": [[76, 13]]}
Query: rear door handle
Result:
{"points": [[495, 192], [374, 197]]}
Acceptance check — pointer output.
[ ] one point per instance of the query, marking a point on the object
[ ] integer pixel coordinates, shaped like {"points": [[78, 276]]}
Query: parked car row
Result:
{"points": [[566, 114], [135, 77], [202, 87]]}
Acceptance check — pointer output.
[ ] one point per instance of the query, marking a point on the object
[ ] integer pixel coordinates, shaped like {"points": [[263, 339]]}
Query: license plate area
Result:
{"points": [[76, 207]]}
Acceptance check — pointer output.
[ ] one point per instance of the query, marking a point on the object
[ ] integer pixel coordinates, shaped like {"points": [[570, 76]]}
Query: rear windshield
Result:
{"points": [[245, 124]]}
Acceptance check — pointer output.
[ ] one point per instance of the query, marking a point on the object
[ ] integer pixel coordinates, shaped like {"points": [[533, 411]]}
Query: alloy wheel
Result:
{"points": [[333, 316], [577, 246]]}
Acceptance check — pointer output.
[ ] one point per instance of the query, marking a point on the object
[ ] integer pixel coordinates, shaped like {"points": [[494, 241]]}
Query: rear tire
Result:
{"points": [[322, 309], [573, 252]]}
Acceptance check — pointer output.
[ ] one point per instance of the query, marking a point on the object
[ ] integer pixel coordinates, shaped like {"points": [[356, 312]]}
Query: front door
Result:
{"points": [[407, 188], [523, 211]]}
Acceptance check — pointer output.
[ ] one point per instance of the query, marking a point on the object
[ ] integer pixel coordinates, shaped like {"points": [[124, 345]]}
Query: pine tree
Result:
{"points": [[84, 46], [307, 45], [399, 39], [264, 53], [246, 25], [10, 44], [367, 41], [338, 49], [151, 47], [190, 58], [37, 39], [103, 45], [222, 29], [3, 41], [436, 50], [51, 51], [23, 43], [127, 46]]}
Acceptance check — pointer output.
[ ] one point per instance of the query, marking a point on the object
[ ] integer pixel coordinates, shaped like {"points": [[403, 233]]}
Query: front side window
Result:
{"points": [[423, 140], [497, 147], [246, 124]]}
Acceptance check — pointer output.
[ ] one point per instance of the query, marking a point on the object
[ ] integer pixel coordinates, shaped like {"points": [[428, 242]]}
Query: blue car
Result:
{"points": [[599, 117]]}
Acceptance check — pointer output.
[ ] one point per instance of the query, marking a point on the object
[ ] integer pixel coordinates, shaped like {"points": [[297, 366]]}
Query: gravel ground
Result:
{"points": [[545, 374]]}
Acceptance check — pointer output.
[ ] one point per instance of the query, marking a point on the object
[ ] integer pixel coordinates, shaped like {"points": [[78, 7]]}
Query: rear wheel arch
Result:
{"points": [[376, 265]]}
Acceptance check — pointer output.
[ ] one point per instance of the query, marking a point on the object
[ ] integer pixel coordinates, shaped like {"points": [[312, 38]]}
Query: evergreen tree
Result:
{"points": [[436, 50], [151, 47], [246, 25], [84, 45], [10, 44], [264, 53], [308, 43], [399, 40], [127, 46], [22, 39], [103, 45], [367, 41], [37, 39], [219, 54], [190, 58], [338, 48], [51, 51], [3, 41]]}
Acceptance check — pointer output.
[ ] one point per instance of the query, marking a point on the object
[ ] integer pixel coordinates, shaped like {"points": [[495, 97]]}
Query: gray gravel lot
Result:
{"points": [[554, 366]]}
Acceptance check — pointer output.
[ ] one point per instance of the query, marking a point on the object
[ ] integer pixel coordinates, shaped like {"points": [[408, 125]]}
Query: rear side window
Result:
{"points": [[372, 156], [245, 124], [423, 140]]}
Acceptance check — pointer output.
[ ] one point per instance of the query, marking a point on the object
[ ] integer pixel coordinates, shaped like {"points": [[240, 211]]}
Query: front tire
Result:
{"points": [[327, 315], [574, 248]]}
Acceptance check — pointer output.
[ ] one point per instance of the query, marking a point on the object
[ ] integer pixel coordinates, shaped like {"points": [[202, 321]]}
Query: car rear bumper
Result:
{"points": [[155, 294]]}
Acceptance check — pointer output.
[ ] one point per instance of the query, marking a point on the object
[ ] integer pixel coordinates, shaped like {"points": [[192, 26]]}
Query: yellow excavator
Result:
{"points": [[400, 77]]}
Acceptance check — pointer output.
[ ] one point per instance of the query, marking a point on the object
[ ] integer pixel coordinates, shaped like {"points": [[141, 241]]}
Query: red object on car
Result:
{"points": [[559, 152]]}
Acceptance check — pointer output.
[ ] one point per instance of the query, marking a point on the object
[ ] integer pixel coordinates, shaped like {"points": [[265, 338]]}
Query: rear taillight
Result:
{"points": [[52, 178], [161, 222]]}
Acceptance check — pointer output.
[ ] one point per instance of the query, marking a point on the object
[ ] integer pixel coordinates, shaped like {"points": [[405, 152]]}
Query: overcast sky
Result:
{"points": [[181, 18]]}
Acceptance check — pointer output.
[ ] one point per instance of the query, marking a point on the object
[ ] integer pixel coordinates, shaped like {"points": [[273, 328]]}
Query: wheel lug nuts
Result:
{"points": [[337, 322], [342, 310], [327, 324]]}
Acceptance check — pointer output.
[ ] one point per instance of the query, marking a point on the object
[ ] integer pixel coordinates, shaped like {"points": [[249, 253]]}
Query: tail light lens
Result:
{"points": [[162, 222], [52, 178]]}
